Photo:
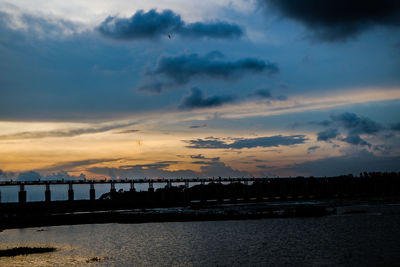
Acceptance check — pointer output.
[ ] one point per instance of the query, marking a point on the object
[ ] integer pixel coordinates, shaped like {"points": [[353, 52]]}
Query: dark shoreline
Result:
{"points": [[241, 211], [12, 252]]}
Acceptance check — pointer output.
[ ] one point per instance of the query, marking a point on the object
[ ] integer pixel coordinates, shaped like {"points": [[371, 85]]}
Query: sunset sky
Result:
{"points": [[178, 88]]}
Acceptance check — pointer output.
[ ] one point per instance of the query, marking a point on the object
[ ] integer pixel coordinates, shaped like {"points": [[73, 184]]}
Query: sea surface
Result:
{"points": [[359, 235]]}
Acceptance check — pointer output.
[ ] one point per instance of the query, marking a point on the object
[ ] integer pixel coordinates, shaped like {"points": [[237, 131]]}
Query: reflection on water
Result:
{"points": [[362, 239]]}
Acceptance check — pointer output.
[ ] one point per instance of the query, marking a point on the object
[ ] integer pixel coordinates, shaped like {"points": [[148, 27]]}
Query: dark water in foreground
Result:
{"points": [[371, 238]]}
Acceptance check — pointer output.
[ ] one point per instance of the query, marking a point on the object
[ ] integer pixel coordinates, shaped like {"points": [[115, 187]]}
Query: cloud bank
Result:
{"points": [[179, 70], [338, 20], [63, 132], [196, 99], [154, 24], [268, 141]]}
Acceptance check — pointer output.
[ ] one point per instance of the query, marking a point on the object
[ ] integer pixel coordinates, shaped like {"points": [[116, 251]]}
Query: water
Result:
{"points": [[359, 239]]}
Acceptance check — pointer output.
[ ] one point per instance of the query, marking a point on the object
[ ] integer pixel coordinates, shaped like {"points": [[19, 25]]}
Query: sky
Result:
{"points": [[176, 88]]}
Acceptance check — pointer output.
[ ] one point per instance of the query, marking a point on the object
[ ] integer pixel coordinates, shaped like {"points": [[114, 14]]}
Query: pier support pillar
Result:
{"points": [[245, 189], [47, 193], [70, 192], [132, 189], [113, 191], [0, 196], [92, 192], [220, 192], [151, 188], [187, 196], [203, 194], [22, 194]]}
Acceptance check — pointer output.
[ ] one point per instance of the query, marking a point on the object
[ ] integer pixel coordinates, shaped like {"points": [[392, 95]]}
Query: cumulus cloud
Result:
{"points": [[355, 139], [63, 132], [179, 70], [327, 134], [153, 24], [338, 20], [197, 100], [355, 124], [239, 143]]}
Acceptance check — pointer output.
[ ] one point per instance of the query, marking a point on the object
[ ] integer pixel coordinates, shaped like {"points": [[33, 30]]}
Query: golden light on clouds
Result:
{"points": [[77, 147]]}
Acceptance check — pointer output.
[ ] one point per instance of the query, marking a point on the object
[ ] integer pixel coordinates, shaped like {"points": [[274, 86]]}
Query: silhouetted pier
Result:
{"points": [[244, 189]]}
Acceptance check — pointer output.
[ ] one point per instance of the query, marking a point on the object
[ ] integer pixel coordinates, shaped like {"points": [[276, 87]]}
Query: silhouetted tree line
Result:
{"points": [[372, 184]]}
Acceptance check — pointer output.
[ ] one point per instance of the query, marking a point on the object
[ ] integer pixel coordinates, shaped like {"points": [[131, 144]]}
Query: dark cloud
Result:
{"points": [[201, 162], [328, 134], [197, 126], [355, 140], [69, 165], [354, 163], [179, 70], [197, 100], [263, 167], [312, 148], [385, 149], [264, 93], [128, 131], [395, 127], [153, 24], [156, 165], [357, 125], [239, 143], [338, 20], [63, 132], [200, 156]]}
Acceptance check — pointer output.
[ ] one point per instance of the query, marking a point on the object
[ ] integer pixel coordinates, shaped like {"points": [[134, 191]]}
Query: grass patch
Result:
{"points": [[11, 252]]}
